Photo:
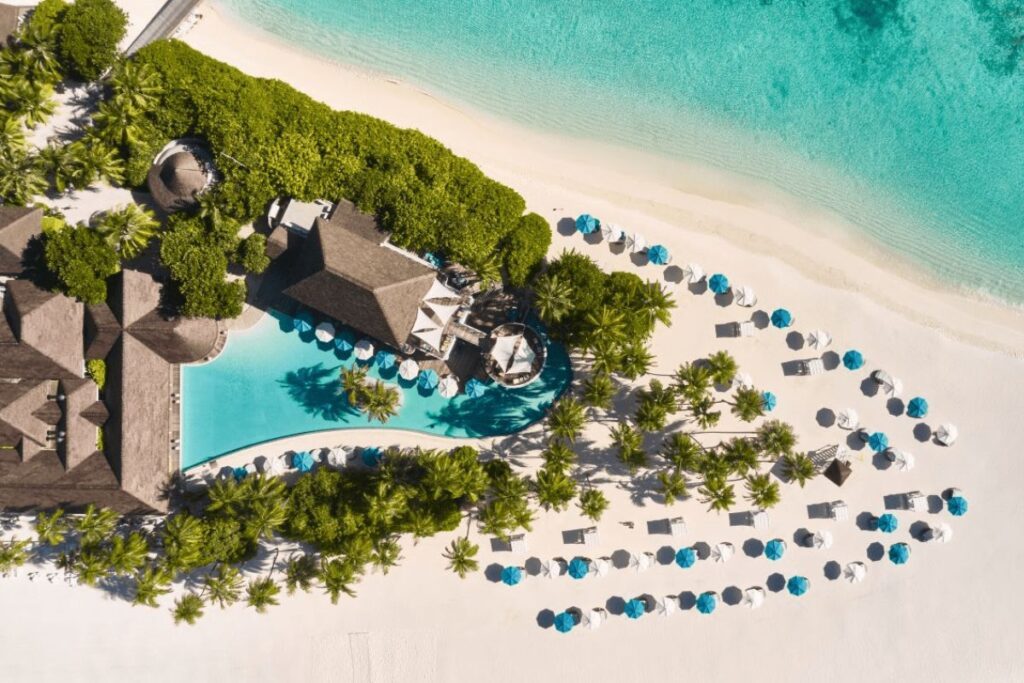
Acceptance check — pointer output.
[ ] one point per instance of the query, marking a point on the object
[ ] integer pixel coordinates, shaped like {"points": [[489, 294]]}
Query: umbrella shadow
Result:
{"points": [[918, 531], [935, 505], [880, 461], [869, 387], [800, 536], [876, 551], [831, 360], [854, 441], [593, 238], [532, 566], [724, 300], [761, 319], [620, 559], [732, 596], [666, 555], [702, 549], [922, 432], [753, 547], [545, 618], [832, 570], [698, 288], [895, 407], [866, 521], [615, 605], [566, 226], [687, 600], [493, 572], [673, 274], [826, 417], [795, 340], [775, 583]]}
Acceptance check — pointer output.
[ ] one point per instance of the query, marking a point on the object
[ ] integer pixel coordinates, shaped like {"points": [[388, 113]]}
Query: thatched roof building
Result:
{"points": [[177, 181], [10, 16], [40, 334], [19, 225]]}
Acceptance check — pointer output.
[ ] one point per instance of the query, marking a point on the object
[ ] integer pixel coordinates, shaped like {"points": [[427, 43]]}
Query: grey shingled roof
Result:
{"points": [[18, 226], [42, 338]]}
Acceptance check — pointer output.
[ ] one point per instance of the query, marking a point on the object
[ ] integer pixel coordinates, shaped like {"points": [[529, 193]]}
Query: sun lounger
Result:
{"points": [[838, 510], [743, 329], [589, 536], [517, 543], [915, 502], [759, 519], [811, 366], [676, 526]]}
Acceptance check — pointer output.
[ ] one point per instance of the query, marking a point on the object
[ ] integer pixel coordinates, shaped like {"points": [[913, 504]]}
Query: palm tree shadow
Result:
{"points": [[318, 390]]}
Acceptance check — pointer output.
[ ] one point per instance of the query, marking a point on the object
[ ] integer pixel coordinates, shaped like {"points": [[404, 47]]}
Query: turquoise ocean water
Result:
{"points": [[905, 116]]}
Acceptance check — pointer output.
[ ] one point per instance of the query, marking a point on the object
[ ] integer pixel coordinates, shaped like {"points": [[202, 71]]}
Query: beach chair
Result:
{"points": [[759, 519], [517, 543], [838, 511], [743, 329], [589, 536], [915, 502], [811, 366], [676, 526]]}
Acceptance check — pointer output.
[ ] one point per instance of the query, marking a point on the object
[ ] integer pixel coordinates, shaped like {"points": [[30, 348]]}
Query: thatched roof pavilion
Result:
{"points": [[177, 180], [19, 225]]}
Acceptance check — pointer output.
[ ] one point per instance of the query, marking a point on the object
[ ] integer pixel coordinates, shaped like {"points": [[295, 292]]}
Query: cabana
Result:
{"points": [[838, 471]]}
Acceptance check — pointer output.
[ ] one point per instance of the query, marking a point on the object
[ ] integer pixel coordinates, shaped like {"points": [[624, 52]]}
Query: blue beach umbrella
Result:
{"points": [[917, 407], [658, 255], [384, 359], [957, 506], [878, 442], [686, 557], [475, 388], [782, 318], [887, 523], [510, 576], [345, 341], [302, 461], [564, 622], [303, 322], [579, 568], [635, 608], [240, 473], [718, 283], [798, 585], [587, 224], [899, 553], [768, 401], [371, 456], [706, 603], [775, 549], [428, 379], [433, 259], [853, 360]]}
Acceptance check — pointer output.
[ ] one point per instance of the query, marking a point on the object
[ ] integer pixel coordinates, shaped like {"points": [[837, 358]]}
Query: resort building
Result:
{"points": [[19, 225], [10, 20], [179, 174]]}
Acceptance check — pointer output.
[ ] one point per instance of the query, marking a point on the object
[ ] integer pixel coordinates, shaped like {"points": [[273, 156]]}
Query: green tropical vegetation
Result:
{"points": [[96, 369], [89, 35]]}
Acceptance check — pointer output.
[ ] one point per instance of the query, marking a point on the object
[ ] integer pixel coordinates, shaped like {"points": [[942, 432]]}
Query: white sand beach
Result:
{"points": [[952, 613]]}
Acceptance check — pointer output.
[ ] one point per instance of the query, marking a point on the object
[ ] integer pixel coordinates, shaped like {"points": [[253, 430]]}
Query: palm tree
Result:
{"points": [[13, 554], [799, 468], [553, 298], [91, 565], [723, 368], [224, 586], [261, 594], [461, 556], [338, 577], [704, 413], [188, 608], [740, 455], [136, 86], [593, 503], [128, 229], [102, 162], [682, 451], [650, 417], [225, 495], [762, 491], [95, 525], [692, 382], [183, 540], [488, 270], [656, 304], [31, 102], [385, 504], [598, 391], [37, 59], [630, 443], [300, 572], [606, 357], [558, 456], [604, 323], [353, 383], [151, 584], [117, 124], [555, 489], [264, 518], [712, 465], [747, 404], [636, 360], [673, 485], [262, 488], [380, 401], [12, 136], [50, 528], [566, 418], [776, 438], [21, 178], [717, 494], [128, 554], [386, 554]]}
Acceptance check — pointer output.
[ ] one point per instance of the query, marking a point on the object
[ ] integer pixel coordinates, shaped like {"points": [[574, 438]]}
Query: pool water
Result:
{"points": [[271, 382]]}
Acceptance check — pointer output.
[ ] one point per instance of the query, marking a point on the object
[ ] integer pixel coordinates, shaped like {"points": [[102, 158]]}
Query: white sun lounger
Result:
{"points": [[743, 329], [915, 501], [812, 366], [838, 510], [517, 543]]}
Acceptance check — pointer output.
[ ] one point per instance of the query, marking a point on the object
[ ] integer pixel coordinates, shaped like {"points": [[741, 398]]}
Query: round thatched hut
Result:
{"points": [[177, 178]]}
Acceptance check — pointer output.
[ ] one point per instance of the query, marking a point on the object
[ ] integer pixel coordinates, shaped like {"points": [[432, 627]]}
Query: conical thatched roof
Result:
{"points": [[176, 181]]}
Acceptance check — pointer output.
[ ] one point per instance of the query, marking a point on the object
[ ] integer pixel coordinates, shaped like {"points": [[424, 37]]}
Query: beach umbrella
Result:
{"points": [[853, 360], [240, 473], [325, 332], [510, 575], [818, 339], [579, 567], [612, 232], [855, 572], [917, 407], [428, 379], [899, 553], [273, 467], [692, 273], [891, 386], [552, 569], [745, 296], [878, 441], [753, 597], [371, 456], [384, 359], [564, 622], [586, 224], [947, 434], [957, 506], [887, 523], [902, 460], [408, 369], [658, 255], [822, 540], [940, 533], [722, 552], [775, 549], [364, 349], [636, 243], [641, 562], [595, 618], [602, 566], [303, 322], [302, 461], [686, 557], [718, 283], [798, 585], [338, 456], [635, 608], [667, 605], [344, 341], [475, 388], [768, 401], [433, 259], [743, 380], [706, 602], [782, 318], [848, 419], [448, 387]]}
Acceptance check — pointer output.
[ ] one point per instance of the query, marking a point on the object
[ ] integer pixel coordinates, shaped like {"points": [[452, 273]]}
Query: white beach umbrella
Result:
{"points": [[364, 349], [848, 419], [667, 605], [612, 232], [941, 533], [595, 618], [271, 467], [947, 434], [636, 243], [744, 296], [641, 562], [408, 369], [325, 332], [743, 380], [448, 387], [855, 572], [753, 597], [891, 386], [901, 460], [338, 456], [692, 273], [818, 339], [551, 569], [722, 552], [602, 566], [821, 540]]}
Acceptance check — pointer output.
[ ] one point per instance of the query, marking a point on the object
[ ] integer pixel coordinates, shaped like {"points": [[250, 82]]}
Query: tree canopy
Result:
{"points": [[89, 36]]}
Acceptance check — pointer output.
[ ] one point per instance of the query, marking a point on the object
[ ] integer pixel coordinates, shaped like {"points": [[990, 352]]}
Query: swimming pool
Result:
{"points": [[271, 382]]}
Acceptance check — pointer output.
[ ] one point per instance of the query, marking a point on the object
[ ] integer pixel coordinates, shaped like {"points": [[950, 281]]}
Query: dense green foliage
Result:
{"points": [[252, 253], [89, 37], [270, 140], [196, 251], [81, 260], [525, 248], [96, 369]]}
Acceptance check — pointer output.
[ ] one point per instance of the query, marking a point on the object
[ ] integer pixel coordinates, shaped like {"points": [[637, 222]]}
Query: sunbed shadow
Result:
{"points": [[753, 547], [725, 331], [893, 501], [775, 583], [615, 605], [790, 368], [795, 340], [826, 417], [876, 551], [818, 511], [922, 432], [659, 527], [732, 596], [832, 570], [739, 519], [572, 536], [869, 387], [895, 407], [545, 618], [566, 226]]}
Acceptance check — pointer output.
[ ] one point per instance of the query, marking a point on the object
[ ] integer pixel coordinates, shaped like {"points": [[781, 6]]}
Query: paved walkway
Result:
{"points": [[164, 23]]}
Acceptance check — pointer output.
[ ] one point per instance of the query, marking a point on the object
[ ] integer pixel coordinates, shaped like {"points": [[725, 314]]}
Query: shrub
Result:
{"points": [[48, 16], [252, 253], [81, 261], [96, 369], [525, 248], [89, 37], [197, 259]]}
